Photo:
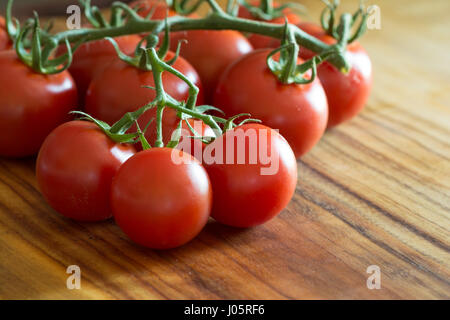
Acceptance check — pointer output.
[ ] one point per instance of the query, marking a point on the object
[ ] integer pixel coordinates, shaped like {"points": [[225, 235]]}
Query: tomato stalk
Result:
{"points": [[132, 23]]}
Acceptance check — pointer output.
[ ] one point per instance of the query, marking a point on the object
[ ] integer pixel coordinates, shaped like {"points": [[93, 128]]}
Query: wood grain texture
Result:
{"points": [[374, 191]]}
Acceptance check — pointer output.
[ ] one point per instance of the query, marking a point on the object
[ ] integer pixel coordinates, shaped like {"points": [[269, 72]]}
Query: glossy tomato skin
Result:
{"points": [[160, 204], [346, 93], [260, 41], [244, 195], [91, 58], [298, 111], [157, 8], [5, 42], [118, 90], [31, 105], [210, 52], [75, 168]]}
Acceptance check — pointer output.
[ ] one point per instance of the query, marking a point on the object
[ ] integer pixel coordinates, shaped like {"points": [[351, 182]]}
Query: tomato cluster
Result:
{"points": [[163, 197]]}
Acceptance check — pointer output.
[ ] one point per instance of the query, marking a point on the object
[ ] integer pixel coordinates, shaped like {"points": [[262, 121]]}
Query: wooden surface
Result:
{"points": [[374, 191]]}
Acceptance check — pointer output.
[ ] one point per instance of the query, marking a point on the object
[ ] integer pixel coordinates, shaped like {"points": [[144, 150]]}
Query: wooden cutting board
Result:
{"points": [[374, 191]]}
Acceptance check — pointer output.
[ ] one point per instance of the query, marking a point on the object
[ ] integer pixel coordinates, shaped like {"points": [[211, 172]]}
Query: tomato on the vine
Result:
{"points": [[91, 58], [119, 89], [160, 203], [153, 9], [346, 93], [75, 168], [210, 52], [259, 41], [31, 105], [5, 42], [250, 192], [299, 111]]}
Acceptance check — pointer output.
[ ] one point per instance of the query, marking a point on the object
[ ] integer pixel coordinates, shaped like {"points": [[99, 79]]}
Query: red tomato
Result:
{"points": [[249, 193], [346, 93], [31, 105], [5, 42], [210, 52], [158, 8], [75, 168], [298, 111], [160, 204], [91, 58], [118, 90], [260, 41]]}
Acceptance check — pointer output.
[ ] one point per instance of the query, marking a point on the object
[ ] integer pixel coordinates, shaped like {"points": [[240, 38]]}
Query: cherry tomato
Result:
{"points": [[157, 9], [249, 193], [91, 58], [31, 105], [298, 111], [5, 42], [75, 167], [158, 203], [346, 93], [260, 41], [119, 88], [210, 52]]}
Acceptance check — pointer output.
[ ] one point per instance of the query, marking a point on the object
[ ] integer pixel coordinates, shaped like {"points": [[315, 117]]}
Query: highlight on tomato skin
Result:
{"points": [[250, 193], [347, 94], [160, 204], [31, 105], [300, 112], [5, 42], [75, 168]]}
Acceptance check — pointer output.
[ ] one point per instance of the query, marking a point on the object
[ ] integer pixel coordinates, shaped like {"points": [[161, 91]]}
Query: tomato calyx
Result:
{"points": [[287, 69], [328, 22], [32, 54]]}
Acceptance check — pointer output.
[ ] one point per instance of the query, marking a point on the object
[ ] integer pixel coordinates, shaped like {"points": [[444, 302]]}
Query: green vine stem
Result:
{"points": [[217, 20]]}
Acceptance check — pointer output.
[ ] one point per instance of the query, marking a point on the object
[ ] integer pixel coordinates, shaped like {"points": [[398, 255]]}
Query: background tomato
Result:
{"points": [[210, 52], [75, 168], [260, 41], [160, 204], [91, 58], [346, 93], [5, 42], [157, 9], [31, 105], [242, 195], [298, 111], [118, 90]]}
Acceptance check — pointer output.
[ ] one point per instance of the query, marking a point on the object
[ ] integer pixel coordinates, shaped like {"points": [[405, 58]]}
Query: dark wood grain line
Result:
{"points": [[363, 232], [249, 271], [413, 175], [401, 133], [411, 128], [32, 229]]}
